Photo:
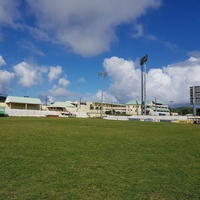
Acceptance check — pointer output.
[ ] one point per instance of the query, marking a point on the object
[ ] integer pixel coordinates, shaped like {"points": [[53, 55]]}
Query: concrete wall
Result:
{"points": [[29, 113], [150, 118]]}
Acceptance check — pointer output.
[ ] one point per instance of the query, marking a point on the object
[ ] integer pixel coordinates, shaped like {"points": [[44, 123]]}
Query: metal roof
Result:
{"points": [[133, 103], [161, 109], [23, 100], [64, 104], [158, 102], [111, 103]]}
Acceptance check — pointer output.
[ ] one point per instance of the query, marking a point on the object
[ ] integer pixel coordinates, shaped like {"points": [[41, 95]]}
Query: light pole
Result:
{"points": [[171, 102], [137, 106], [78, 100], [46, 100], [143, 61], [102, 75]]}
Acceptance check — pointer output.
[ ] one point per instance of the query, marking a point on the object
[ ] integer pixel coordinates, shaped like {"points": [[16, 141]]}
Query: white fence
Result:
{"points": [[81, 114], [148, 117], [113, 117], [157, 118], [29, 113], [42, 113]]}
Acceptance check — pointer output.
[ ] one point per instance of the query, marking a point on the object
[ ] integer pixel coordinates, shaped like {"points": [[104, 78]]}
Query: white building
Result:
{"points": [[86, 109], [157, 108]]}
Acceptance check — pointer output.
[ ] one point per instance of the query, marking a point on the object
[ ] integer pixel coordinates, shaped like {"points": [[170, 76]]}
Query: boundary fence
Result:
{"points": [[29, 113]]}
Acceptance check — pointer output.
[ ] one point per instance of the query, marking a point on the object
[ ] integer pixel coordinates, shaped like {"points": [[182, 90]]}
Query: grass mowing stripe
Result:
{"points": [[63, 158]]}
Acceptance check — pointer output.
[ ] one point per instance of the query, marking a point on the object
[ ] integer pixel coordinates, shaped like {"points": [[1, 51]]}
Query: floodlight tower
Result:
{"points": [[102, 75], [143, 61], [79, 98]]}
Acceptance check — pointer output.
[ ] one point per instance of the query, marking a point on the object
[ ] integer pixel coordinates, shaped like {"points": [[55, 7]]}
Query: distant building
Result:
{"points": [[157, 108], [64, 107], [94, 108], [87, 109], [91, 109], [133, 108], [25, 103]]}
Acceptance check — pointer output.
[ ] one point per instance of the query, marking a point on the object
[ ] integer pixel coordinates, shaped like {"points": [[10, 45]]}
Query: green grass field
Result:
{"points": [[69, 158]]}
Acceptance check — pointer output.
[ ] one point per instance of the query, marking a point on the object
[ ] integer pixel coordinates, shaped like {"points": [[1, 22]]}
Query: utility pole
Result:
{"points": [[79, 98], [102, 75], [143, 61]]}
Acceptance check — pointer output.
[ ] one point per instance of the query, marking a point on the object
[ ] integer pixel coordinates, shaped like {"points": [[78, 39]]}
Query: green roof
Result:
{"points": [[23, 100], [133, 102], [158, 102], [161, 109], [116, 104]]}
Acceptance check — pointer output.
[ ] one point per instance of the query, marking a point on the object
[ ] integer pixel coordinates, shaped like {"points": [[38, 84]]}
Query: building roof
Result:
{"points": [[63, 104], [158, 102], [118, 104], [110, 103], [133, 102], [161, 109], [23, 100]]}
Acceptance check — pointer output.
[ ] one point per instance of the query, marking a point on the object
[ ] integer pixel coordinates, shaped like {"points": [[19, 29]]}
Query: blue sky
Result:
{"points": [[51, 47]]}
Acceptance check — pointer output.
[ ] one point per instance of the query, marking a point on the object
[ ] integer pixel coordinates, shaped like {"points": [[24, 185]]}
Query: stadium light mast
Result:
{"points": [[143, 61], [79, 98], [102, 75]]}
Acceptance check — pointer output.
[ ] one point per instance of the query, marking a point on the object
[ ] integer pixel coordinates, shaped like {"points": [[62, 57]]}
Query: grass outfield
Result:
{"points": [[68, 158]]}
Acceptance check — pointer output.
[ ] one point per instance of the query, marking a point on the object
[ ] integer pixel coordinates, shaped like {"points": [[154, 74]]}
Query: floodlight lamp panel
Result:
{"points": [[105, 73], [102, 74], [144, 59]]}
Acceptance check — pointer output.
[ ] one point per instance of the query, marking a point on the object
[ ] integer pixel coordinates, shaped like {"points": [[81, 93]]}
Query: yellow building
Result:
{"points": [[133, 108], [91, 109], [25, 103]]}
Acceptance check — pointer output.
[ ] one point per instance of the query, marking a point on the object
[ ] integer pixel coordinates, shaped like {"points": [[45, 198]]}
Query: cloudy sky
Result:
{"points": [[56, 48]]}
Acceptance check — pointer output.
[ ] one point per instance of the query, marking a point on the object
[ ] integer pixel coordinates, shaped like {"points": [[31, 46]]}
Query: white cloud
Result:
{"points": [[139, 32], [107, 97], [194, 53], [81, 80], [2, 61], [36, 33], [31, 47], [54, 73], [87, 27], [5, 81], [93, 97], [63, 82], [58, 91], [151, 37], [170, 83], [125, 78], [8, 12], [29, 74], [171, 46]]}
